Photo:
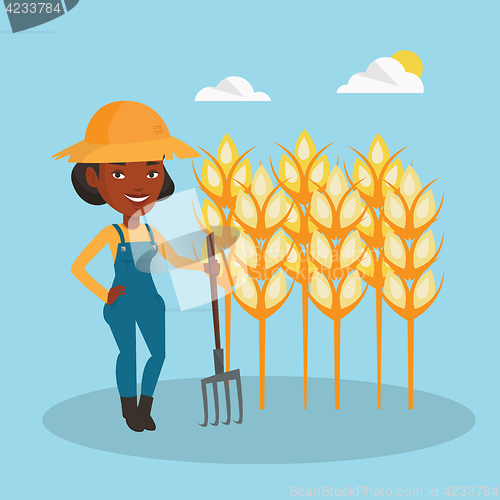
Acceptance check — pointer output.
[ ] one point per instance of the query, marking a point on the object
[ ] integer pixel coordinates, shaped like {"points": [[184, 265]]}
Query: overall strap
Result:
{"points": [[151, 235], [120, 232]]}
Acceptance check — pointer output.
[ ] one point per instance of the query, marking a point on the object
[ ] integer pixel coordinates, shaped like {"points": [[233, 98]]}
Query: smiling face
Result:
{"points": [[130, 188]]}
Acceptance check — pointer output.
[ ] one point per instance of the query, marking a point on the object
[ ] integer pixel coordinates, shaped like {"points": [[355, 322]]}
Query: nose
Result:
{"points": [[138, 189]]}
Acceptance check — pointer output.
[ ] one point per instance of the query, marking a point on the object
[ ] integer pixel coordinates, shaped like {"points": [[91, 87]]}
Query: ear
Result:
{"points": [[91, 177]]}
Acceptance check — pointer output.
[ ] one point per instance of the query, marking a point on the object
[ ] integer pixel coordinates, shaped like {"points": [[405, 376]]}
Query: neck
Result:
{"points": [[131, 222]]}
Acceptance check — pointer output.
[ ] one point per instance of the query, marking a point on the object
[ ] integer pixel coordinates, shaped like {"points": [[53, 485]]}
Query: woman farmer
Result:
{"points": [[120, 162]]}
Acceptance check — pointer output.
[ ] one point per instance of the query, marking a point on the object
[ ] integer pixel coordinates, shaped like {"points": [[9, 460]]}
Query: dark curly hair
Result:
{"points": [[91, 195]]}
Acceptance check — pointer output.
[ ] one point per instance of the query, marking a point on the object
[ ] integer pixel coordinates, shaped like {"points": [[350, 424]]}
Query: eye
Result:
{"points": [[152, 175], [118, 175]]}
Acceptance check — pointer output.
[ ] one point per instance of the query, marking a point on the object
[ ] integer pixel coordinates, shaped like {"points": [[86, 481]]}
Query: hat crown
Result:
{"points": [[125, 122]]}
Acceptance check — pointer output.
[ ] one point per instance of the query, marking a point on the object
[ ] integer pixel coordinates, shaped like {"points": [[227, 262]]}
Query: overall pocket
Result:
{"points": [[109, 309], [161, 302]]}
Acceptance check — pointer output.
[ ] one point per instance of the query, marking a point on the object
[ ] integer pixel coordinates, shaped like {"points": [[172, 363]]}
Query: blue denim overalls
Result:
{"points": [[140, 304]]}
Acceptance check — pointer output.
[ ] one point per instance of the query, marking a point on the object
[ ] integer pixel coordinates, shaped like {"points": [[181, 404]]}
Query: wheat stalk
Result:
{"points": [[336, 250], [258, 255], [409, 211], [300, 174], [222, 178], [372, 176]]}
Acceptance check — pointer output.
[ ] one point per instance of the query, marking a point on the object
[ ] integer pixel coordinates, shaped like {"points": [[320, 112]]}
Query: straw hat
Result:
{"points": [[126, 131]]}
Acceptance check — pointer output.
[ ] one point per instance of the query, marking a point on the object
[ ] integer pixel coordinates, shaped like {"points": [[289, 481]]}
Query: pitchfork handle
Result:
{"points": [[213, 288]]}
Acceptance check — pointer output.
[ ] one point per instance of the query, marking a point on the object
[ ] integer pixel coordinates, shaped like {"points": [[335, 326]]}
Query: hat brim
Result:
{"points": [[86, 152]]}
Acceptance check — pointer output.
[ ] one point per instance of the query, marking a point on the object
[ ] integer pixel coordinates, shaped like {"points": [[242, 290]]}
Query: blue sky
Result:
{"points": [[55, 77]]}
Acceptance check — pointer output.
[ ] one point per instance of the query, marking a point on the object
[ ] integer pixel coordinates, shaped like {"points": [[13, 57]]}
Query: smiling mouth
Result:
{"points": [[136, 199]]}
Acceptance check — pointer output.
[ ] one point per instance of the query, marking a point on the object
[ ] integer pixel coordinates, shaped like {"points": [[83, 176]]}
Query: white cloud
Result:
{"points": [[232, 88], [384, 75]]}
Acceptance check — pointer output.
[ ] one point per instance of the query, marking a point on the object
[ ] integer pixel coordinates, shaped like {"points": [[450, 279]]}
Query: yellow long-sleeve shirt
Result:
{"points": [[109, 236]]}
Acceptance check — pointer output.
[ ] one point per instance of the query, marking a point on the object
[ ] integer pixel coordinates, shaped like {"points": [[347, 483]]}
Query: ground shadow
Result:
{"points": [[282, 433], [28, 32]]}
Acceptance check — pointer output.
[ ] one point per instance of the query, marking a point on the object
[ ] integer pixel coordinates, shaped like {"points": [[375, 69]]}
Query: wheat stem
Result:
{"points": [[262, 360], [379, 343], [305, 325], [410, 361], [227, 318], [336, 354]]}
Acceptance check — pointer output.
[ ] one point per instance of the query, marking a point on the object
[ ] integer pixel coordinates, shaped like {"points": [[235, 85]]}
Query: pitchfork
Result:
{"points": [[220, 374]]}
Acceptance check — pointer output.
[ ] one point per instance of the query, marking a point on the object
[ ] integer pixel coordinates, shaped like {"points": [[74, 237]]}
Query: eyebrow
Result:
{"points": [[124, 164], [152, 163]]}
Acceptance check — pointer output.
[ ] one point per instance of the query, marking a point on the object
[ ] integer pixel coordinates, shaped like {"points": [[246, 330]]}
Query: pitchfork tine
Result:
{"points": [[216, 404], [240, 399], [205, 402], [228, 403]]}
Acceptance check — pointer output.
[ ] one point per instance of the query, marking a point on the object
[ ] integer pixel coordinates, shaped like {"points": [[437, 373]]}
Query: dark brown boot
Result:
{"points": [[130, 413], [144, 410]]}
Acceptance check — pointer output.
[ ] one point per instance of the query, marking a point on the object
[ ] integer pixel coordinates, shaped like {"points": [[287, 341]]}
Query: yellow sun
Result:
{"points": [[410, 61]]}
